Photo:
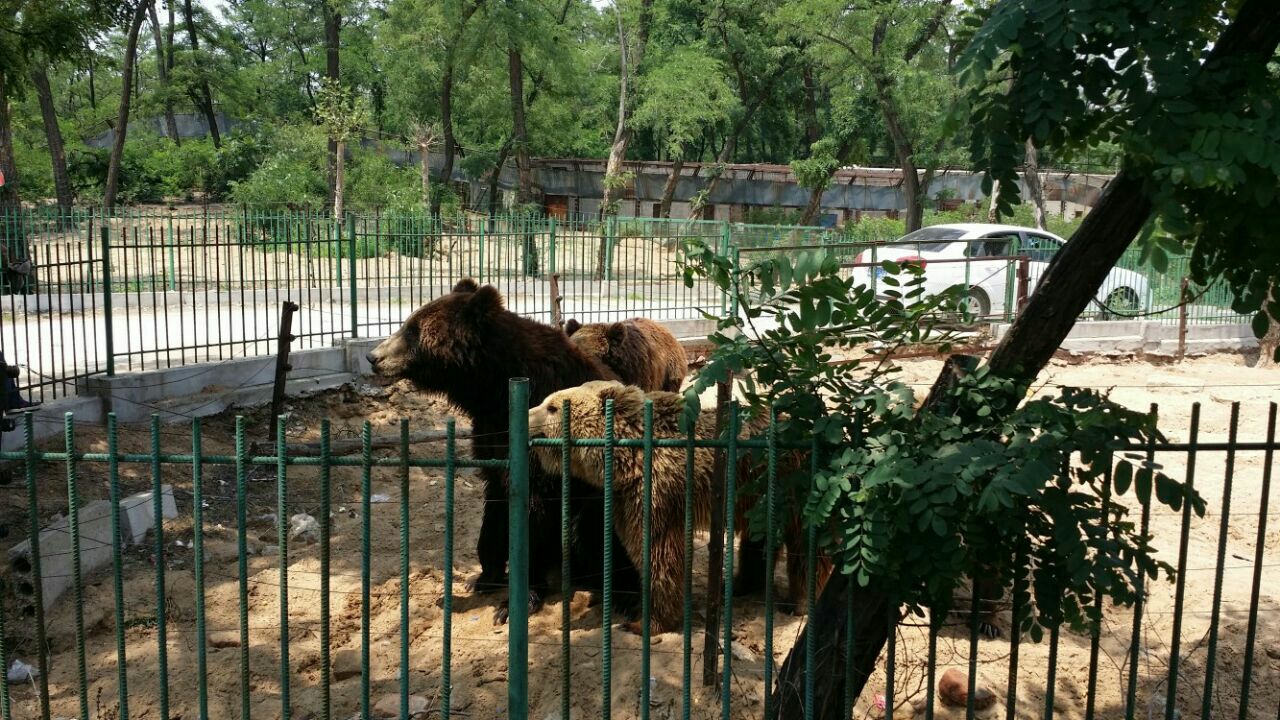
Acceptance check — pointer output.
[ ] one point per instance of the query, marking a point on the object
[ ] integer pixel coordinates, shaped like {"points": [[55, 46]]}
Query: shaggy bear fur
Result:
{"points": [[466, 345], [667, 546], [639, 350]]}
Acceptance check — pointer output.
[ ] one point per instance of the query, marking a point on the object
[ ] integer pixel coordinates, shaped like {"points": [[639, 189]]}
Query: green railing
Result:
{"points": [[154, 288], [204, 621]]}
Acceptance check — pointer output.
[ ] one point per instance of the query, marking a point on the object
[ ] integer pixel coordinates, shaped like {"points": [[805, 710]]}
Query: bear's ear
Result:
{"points": [[572, 327], [485, 302], [616, 333], [466, 285], [628, 400]]}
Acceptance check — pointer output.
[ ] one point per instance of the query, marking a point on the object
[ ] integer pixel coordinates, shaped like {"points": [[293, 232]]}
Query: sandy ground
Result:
{"points": [[479, 649]]}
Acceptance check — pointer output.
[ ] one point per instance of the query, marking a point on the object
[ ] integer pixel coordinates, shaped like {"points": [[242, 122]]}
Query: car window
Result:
{"points": [[932, 239], [1041, 247], [993, 245]]}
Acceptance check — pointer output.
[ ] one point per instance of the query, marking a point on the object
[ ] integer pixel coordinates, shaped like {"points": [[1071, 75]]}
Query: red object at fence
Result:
{"points": [[1, 178]]}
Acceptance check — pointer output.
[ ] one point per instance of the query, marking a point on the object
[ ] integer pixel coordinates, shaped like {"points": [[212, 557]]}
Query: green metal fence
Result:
{"points": [[363, 611], [156, 288]]}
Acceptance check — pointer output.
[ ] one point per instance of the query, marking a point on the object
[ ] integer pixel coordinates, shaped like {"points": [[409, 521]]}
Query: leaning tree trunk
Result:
{"points": [[162, 70], [122, 121], [53, 136], [1069, 284], [1034, 188], [669, 189], [205, 97]]}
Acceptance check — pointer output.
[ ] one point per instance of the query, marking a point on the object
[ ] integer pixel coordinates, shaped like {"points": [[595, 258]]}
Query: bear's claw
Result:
{"points": [[502, 613]]}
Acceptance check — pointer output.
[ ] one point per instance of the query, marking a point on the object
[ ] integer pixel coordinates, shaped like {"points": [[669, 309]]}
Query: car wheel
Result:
{"points": [[1121, 304], [976, 304]]}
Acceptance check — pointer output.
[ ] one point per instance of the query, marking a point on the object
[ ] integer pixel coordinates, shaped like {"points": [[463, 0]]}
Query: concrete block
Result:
{"points": [[356, 364], [137, 514], [55, 553]]}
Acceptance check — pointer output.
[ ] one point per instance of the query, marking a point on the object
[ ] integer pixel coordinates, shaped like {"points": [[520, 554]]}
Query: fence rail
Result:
{"points": [[368, 592], [147, 289]]}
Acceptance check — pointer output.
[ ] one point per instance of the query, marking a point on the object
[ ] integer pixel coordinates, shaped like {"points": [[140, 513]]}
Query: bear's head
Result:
{"points": [[602, 340], [441, 339], [586, 420]]}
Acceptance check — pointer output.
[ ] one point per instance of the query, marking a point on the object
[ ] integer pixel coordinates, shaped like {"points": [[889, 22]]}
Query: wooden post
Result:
{"points": [[557, 314], [715, 549], [1024, 281], [287, 309]]}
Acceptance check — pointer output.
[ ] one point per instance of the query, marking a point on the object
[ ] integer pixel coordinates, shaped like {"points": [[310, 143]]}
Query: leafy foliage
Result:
{"points": [[912, 501]]}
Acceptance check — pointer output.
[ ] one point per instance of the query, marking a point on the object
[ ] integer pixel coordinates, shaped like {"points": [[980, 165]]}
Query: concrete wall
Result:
{"points": [[1146, 337]]}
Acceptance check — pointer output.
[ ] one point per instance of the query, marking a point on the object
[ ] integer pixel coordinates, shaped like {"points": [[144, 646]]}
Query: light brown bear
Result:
{"points": [[668, 486], [642, 352]]}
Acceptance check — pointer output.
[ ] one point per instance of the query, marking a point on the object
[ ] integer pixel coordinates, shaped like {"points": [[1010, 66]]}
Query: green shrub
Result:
{"points": [[293, 171]]}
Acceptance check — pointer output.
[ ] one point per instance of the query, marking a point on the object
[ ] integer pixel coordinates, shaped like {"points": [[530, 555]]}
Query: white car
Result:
{"points": [[982, 257]]}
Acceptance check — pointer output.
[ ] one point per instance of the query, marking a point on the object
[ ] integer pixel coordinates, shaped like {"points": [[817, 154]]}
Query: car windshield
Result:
{"points": [[931, 239]]}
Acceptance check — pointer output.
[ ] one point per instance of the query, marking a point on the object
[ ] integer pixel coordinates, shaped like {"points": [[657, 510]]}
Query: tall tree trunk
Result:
{"points": [[519, 131], [906, 152], [993, 208], [162, 69], [812, 131], [1069, 284], [338, 175], [504, 152], [450, 148], [122, 120], [669, 190], [332, 60], [9, 190], [1034, 189], [1269, 345], [205, 97], [93, 92], [168, 37], [53, 135], [629, 63]]}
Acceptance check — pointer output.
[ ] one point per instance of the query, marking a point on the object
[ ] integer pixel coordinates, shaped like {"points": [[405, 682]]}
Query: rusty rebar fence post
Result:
{"points": [[287, 309], [715, 548]]}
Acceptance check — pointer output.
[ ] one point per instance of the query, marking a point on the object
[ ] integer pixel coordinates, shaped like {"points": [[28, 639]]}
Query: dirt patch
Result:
{"points": [[479, 648]]}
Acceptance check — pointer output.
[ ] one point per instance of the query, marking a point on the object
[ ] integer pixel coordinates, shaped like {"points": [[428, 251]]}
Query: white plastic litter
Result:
{"points": [[22, 672]]}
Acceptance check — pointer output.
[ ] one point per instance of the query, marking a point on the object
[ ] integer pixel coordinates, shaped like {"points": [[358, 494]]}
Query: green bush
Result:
{"points": [[373, 181], [293, 171]]}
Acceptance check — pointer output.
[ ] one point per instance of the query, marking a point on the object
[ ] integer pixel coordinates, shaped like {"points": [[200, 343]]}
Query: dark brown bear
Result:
{"points": [[639, 350], [466, 345]]}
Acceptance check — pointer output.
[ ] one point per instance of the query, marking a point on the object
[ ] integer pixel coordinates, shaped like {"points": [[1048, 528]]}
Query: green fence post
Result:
{"points": [[351, 238], [518, 632], [173, 267], [552, 247], [106, 299], [725, 241]]}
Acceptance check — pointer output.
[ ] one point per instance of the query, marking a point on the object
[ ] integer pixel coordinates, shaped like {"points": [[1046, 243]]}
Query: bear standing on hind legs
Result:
{"points": [[466, 345]]}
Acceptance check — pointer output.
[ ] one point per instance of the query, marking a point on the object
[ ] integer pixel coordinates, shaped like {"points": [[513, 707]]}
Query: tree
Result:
{"points": [[457, 18], [630, 58], [162, 71], [897, 52], [684, 93], [122, 116], [343, 114], [53, 134], [205, 98], [425, 137], [1184, 71]]}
